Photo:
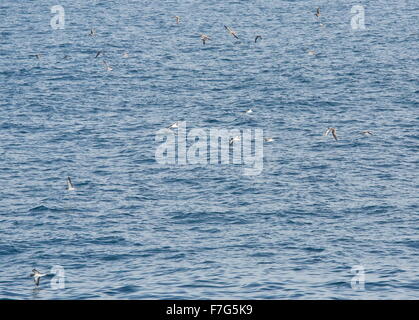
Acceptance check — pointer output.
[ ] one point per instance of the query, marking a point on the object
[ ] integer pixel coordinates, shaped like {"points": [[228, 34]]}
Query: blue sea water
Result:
{"points": [[138, 229]]}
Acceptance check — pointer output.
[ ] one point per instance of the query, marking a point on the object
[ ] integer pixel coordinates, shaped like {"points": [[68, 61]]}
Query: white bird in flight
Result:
{"points": [[174, 125], [332, 131], [107, 66], [367, 133], [204, 38], [232, 32], [70, 185], [232, 140], [37, 276]]}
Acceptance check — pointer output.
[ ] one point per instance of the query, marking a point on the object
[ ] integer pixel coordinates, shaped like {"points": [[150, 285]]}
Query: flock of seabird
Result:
{"points": [[70, 186], [204, 38]]}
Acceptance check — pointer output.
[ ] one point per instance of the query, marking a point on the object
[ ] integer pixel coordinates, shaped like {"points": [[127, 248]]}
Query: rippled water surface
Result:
{"points": [[138, 229]]}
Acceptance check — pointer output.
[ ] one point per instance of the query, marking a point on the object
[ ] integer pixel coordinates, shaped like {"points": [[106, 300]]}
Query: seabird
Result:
{"points": [[108, 67], [173, 125], [98, 54], [317, 14], [258, 37], [269, 139], [37, 276], [70, 186], [248, 111], [233, 33], [311, 52], [367, 133], [177, 19], [125, 55], [236, 138], [204, 38], [333, 131], [37, 56], [92, 32]]}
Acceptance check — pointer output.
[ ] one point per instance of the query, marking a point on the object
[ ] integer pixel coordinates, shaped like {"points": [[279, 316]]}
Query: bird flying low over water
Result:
{"points": [[232, 140], [177, 19], [36, 276], [258, 37], [70, 185], [248, 111], [204, 38], [92, 32], [232, 32], [317, 14], [367, 133], [173, 125], [333, 131], [98, 54], [269, 139], [311, 53], [107, 66]]}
